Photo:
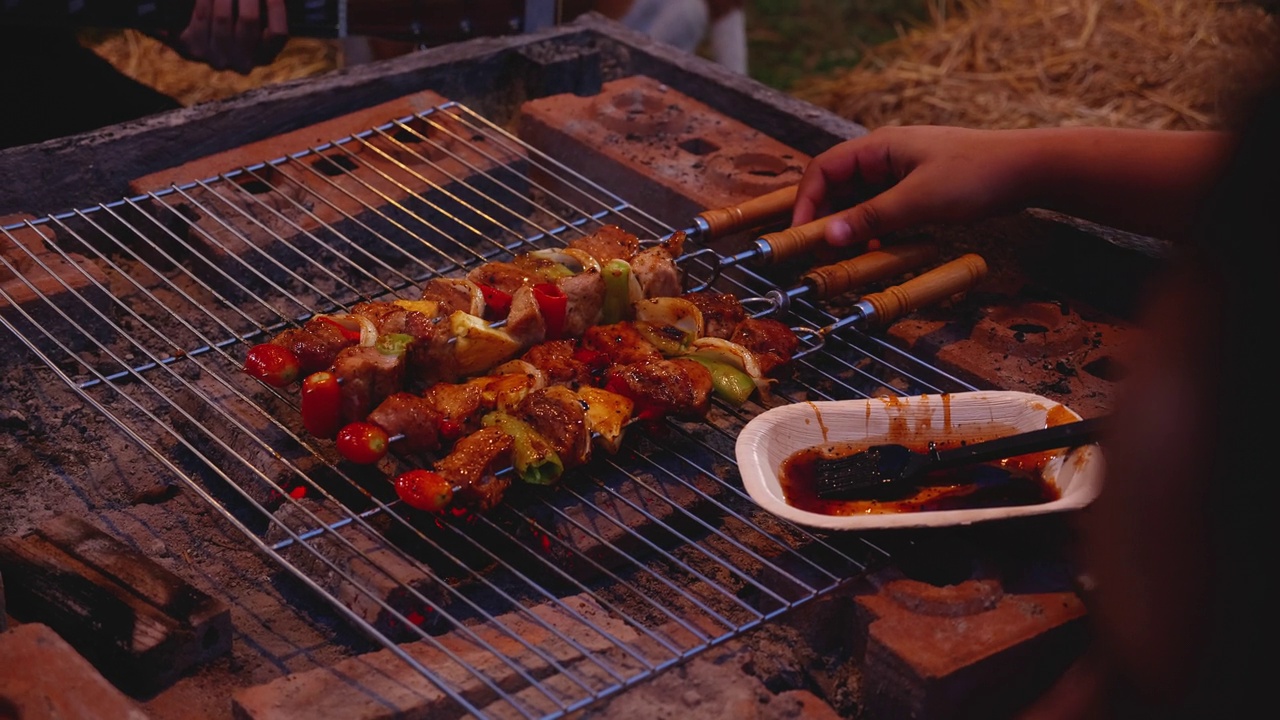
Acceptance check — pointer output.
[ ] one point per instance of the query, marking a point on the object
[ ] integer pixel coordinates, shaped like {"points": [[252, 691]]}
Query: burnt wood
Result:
{"points": [[140, 625]]}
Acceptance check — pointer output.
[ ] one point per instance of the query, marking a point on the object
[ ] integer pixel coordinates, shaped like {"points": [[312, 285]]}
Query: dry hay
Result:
{"points": [[1172, 64], [157, 65]]}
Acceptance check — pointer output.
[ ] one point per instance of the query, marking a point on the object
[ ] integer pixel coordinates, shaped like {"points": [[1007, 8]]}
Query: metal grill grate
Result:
{"points": [[146, 306]]}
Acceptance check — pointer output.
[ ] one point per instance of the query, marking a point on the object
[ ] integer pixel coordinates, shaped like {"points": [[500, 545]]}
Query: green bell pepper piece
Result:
{"points": [[617, 290], [536, 462], [394, 343], [728, 382]]}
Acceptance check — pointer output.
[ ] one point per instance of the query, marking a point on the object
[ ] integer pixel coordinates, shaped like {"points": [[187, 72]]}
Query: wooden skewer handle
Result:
{"points": [[873, 266], [934, 286], [794, 241], [748, 214]]}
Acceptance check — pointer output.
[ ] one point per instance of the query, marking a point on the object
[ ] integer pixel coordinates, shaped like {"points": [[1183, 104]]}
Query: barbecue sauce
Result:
{"points": [[1013, 481]]}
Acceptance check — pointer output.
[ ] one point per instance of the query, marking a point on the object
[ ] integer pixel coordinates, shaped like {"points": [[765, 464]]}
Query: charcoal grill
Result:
{"points": [[143, 308], [188, 277]]}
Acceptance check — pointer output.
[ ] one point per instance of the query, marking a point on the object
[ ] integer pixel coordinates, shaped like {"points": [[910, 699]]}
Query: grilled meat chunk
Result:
{"points": [[585, 301], [459, 405], [621, 343], [504, 276], [557, 414], [412, 416], [367, 376], [316, 344], [454, 295], [772, 342], [657, 272], [524, 320], [608, 243], [721, 313], [555, 358], [427, 362], [679, 387], [473, 465]]}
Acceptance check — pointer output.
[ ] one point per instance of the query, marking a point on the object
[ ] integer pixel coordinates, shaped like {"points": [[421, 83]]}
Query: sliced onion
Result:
{"points": [[572, 258], [368, 331], [721, 350], [635, 291], [672, 312], [522, 367]]}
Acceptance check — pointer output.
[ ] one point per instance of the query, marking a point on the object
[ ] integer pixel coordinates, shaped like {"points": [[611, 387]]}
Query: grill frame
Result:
{"points": [[73, 226]]}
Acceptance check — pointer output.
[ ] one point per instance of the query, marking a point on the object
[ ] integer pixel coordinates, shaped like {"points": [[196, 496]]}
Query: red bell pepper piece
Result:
{"points": [[554, 305], [350, 329], [593, 359], [645, 410], [322, 404], [496, 302]]}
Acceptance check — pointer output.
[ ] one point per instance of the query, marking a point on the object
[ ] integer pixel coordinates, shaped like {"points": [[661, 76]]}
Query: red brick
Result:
{"points": [[25, 249], [44, 678], [661, 150], [291, 142], [381, 685], [931, 648]]}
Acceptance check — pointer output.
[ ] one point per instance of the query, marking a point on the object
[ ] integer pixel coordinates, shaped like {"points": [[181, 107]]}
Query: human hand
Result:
{"points": [[916, 175], [232, 34]]}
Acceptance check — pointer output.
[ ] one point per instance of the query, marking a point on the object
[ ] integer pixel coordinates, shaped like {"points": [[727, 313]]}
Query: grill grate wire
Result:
{"points": [[167, 291]]}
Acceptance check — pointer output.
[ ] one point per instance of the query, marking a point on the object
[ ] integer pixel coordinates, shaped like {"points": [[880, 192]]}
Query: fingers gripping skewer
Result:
{"points": [[768, 249]]}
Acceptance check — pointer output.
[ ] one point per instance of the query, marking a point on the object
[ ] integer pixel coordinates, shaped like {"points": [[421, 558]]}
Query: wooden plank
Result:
{"points": [[141, 625]]}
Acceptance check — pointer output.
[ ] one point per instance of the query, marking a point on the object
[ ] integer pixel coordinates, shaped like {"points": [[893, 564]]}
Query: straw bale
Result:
{"points": [[157, 65], [1173, 64]]}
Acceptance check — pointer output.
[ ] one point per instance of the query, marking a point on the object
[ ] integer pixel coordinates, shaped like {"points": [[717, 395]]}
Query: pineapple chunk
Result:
{"points": [[608, 414], [478, 346]]}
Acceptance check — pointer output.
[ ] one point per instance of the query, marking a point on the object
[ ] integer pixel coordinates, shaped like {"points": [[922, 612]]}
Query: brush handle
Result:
{"points": [[1070, 434], [829, 281], [938, 284], [753, 213]]}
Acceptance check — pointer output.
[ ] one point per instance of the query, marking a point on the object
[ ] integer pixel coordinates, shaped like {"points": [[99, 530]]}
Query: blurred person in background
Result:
{"points": [[1172, 551], [54, 86], [719, 25]]}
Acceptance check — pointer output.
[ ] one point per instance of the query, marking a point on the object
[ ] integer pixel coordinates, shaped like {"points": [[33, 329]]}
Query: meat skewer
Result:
{"points": [[364, 376], [739, 352], [435, 490], [297, 352], [543, 293], [448, 410], [553, 429]]}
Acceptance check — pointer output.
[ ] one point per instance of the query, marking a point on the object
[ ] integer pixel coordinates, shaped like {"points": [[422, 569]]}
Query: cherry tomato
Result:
{"points": [[321, 404], [272, 364], [450, 429], [363, 442], [424, 490]]}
